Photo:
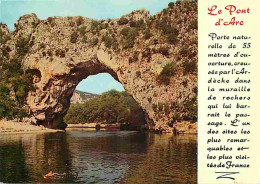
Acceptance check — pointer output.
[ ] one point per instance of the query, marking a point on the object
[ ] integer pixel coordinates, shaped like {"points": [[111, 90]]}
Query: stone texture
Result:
{"points": [[60, 65], [81, 97]]}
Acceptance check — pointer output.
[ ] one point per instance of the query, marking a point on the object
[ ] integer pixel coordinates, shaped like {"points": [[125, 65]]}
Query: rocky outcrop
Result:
{"points": [[135, 49], [81, 97]]}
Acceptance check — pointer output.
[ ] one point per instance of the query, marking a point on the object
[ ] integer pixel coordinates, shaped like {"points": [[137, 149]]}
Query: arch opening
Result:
{"points": [[101, 101]]}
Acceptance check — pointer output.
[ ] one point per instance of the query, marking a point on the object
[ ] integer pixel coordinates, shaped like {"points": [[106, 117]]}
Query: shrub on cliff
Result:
{"points": [[147, 34], [95, 27], [94, 41], [79, 21], [122, 21], [167, 72], [189, 67], [129, 35], [14, 80], [3, 38], [49, 19], [167, 30], [108, 40], [171, 4], [22, 46], [82, 30], [138, 24], [6, 104], [74, 37], [190, 109]]}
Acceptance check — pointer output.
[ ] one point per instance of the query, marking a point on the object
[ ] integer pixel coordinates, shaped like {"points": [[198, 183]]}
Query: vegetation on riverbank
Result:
{"points": [[14, 82], [111, 107]]}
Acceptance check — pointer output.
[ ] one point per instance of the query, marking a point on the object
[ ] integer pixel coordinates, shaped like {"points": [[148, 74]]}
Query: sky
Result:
{"points": [[11, 10]]}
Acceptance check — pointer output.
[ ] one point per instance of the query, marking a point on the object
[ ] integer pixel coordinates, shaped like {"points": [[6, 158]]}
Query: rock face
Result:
{"points": [[134, 49], [81, 97]]}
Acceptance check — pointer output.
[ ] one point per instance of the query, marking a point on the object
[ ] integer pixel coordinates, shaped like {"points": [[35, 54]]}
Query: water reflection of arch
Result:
{"points": [[104, 156]]}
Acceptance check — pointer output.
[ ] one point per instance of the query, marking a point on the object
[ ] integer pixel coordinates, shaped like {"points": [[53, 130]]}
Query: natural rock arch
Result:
{"points": [[65, 50]]}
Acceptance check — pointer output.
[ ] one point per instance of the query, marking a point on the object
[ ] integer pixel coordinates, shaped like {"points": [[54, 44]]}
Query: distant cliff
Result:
{"points": [[81, 97], [153, 56]]}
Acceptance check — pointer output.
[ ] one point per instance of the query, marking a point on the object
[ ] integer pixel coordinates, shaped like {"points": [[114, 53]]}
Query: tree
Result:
{"points": [[111, 107]]}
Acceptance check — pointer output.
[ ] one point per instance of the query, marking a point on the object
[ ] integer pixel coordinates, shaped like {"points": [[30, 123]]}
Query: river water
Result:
{"points": [[98, 157]]}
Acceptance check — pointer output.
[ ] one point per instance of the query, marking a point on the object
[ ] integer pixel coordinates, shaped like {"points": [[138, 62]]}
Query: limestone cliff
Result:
{"points": [[81, 97], [153, 56]]}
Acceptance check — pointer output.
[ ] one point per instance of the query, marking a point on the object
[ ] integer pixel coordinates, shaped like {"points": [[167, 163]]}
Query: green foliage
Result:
{"points": [[94, 41], [21, 82], [3, 38], [104, 26], [22, 46], [75, 114], [168, 71], [109, 40], [14, 78], [110, 107], [189, 67], [139, 24], [129, 35], [79, 21], [97, 26], [74, 37], [5, 51], [125, 31], [172, 39], [84, 39], [171, 4], [190, 109], [49, 19], [122, 21], [6, 104], [186, 109], [82, 30], [167, 30], [71, 23], [15, 83], [147, 34], [187, 6]]}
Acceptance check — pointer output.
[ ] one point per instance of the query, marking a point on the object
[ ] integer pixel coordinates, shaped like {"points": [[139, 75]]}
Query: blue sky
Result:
{"points": [[11, 10]]}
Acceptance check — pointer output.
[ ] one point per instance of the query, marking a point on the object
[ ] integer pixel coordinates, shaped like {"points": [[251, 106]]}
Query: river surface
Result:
{"points": [[98, 157]]}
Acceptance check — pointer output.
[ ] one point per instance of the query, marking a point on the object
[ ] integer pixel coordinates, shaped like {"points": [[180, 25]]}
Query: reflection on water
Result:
{"points": [[99, 157]]}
